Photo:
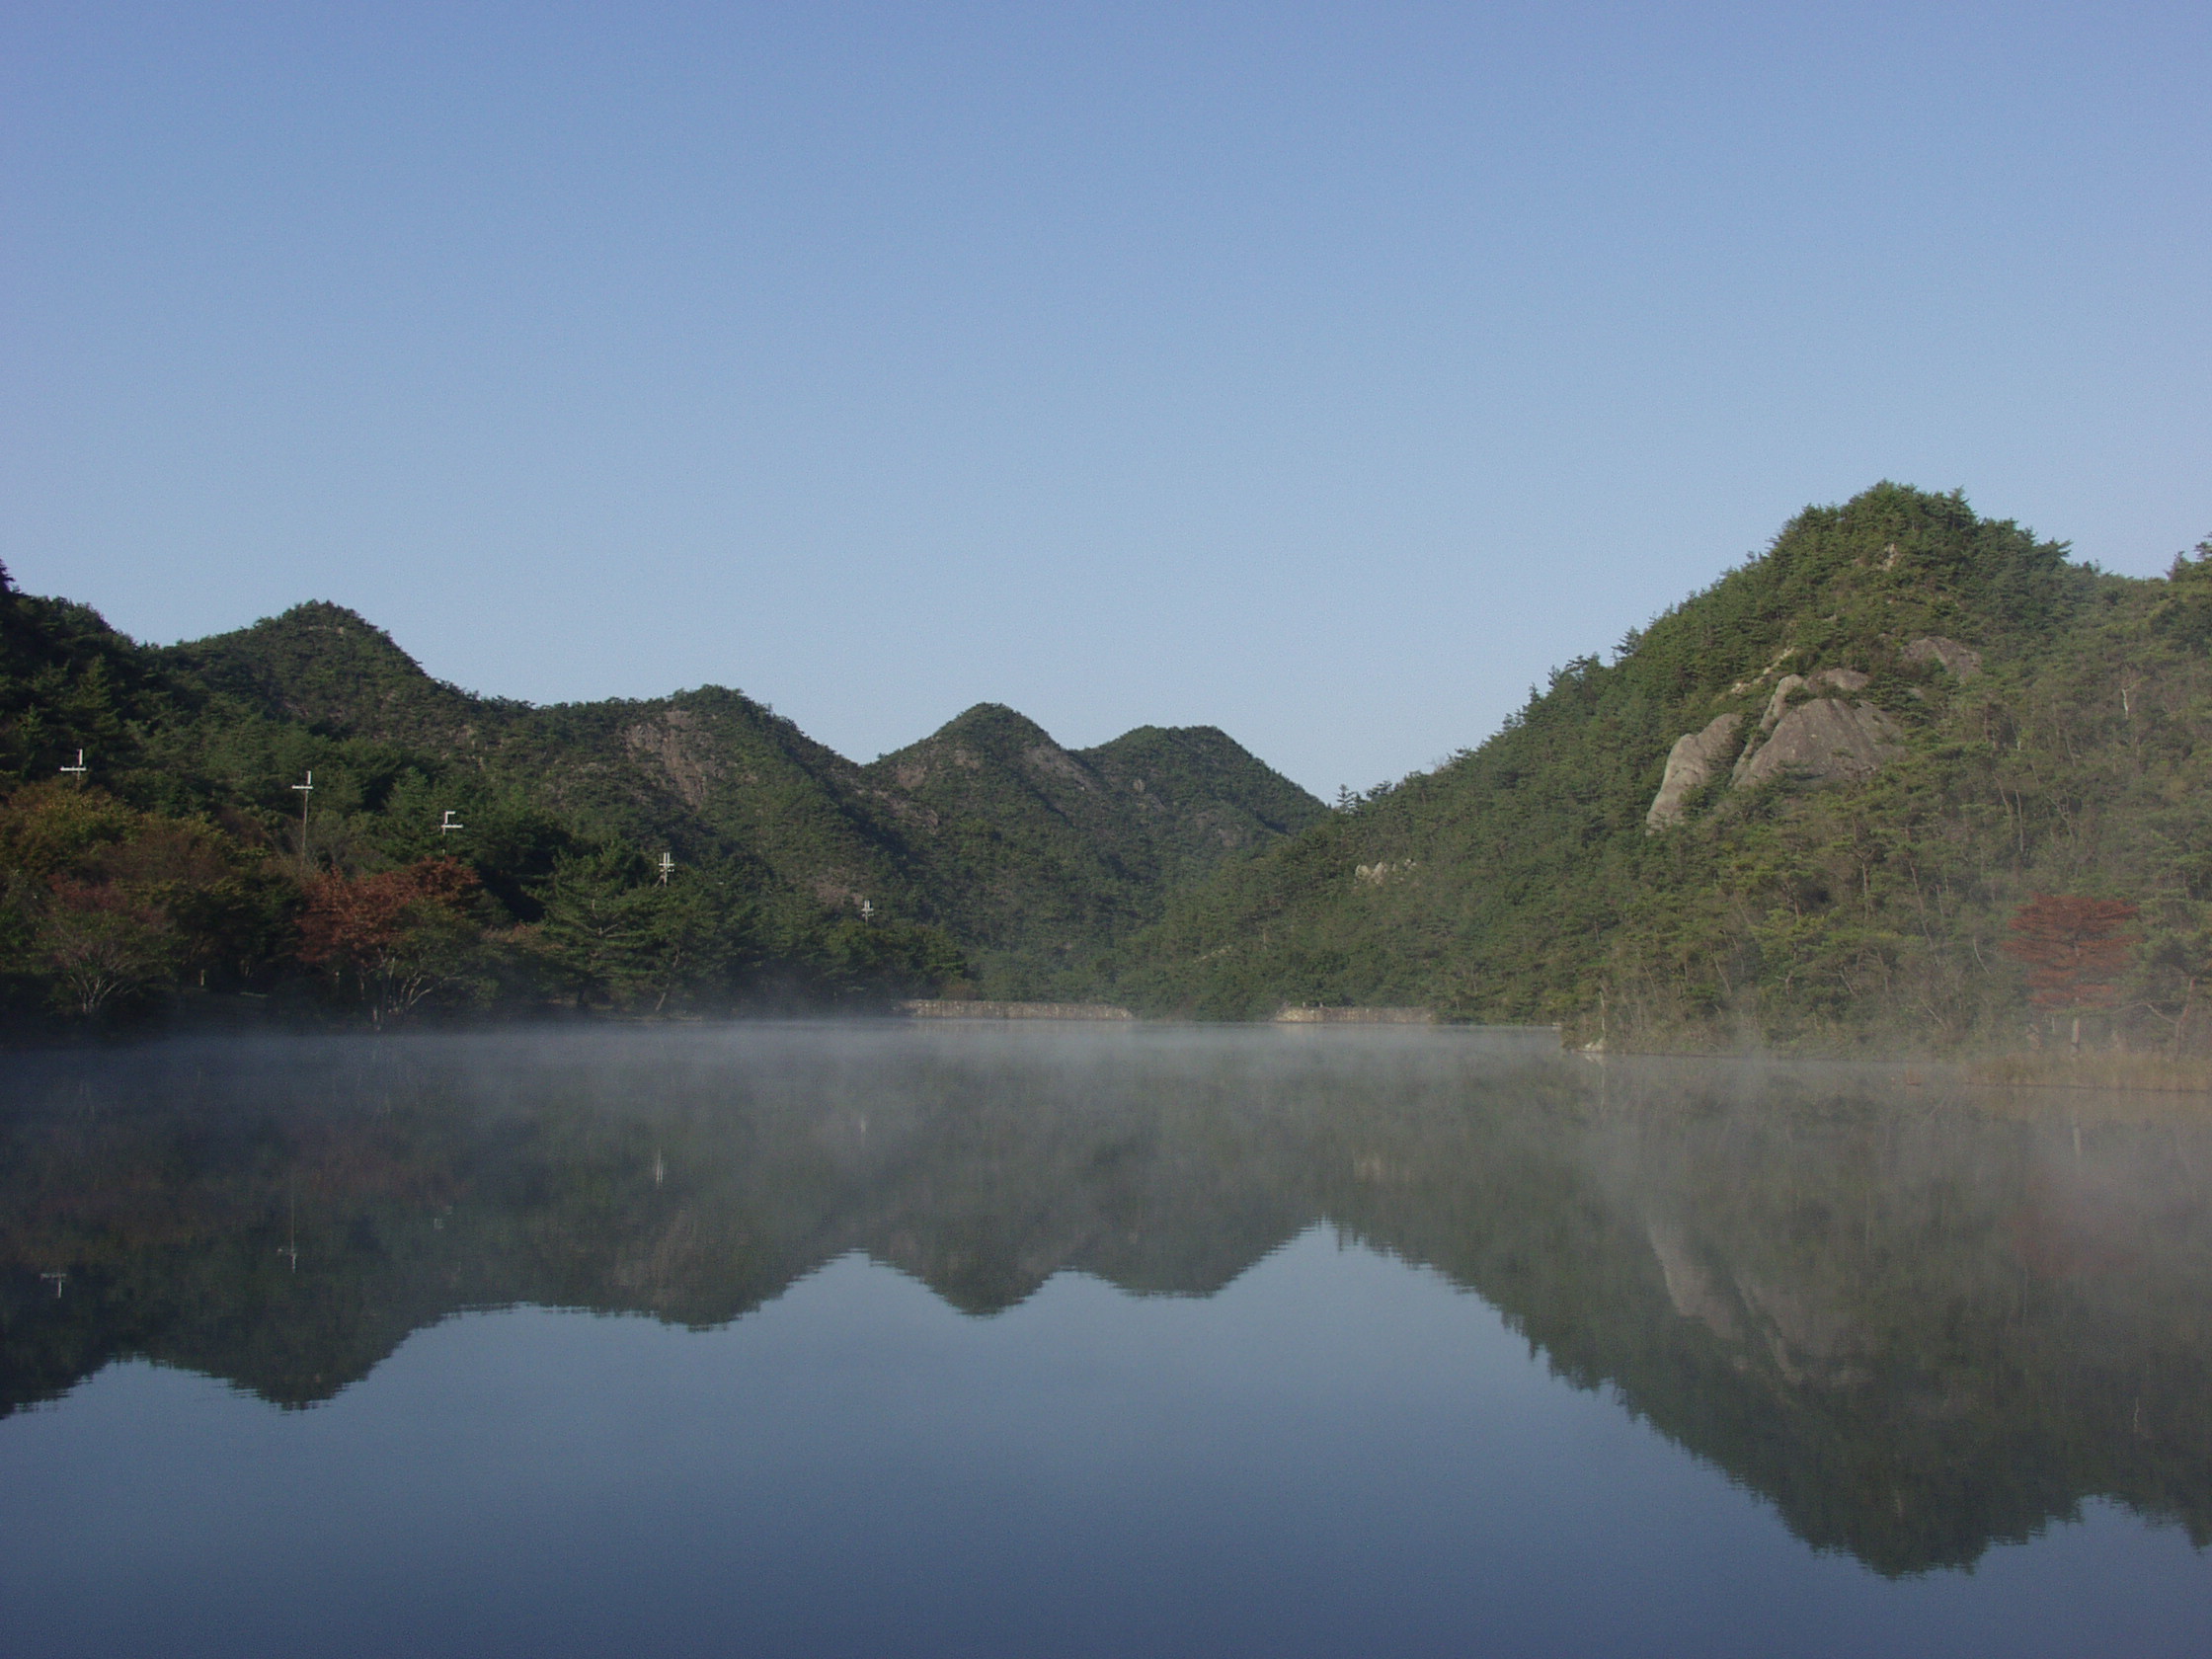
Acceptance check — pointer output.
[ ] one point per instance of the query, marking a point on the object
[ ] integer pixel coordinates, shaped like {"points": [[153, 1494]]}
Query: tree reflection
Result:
{"points": [[1918, 1321]]}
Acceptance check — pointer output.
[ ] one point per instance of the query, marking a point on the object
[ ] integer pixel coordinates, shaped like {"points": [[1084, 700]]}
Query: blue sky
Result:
{"points": [[1326, 373]]}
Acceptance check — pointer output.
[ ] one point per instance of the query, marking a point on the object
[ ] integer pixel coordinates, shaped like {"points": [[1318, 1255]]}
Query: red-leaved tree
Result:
{"points": [[397, 937], [2076, 950]]}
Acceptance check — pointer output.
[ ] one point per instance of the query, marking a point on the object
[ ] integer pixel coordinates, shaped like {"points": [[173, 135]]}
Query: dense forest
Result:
{"points": [[295, 819], [1909, 776]]}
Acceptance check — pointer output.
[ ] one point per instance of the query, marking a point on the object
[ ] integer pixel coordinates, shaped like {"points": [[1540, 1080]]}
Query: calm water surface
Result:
{"points": [[882, 1341]]}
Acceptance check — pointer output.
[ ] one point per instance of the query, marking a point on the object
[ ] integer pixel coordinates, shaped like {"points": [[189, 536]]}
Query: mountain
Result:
{"points": [[1869, 787], [1042, 855], [1804, 805], [985, 857], [322, 665], [1033, 858]]}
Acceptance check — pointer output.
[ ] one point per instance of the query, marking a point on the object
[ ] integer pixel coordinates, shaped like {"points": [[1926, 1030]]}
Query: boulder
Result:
{"points": [[1825, 739], [1840, 679], [1822, 740], [1774, 706], [1691, 763]]}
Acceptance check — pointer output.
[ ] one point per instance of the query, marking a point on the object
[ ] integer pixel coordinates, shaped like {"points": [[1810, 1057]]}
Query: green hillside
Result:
{"points": [[1889, 730], [1808, 806], [1039, 856], [797, 875]]}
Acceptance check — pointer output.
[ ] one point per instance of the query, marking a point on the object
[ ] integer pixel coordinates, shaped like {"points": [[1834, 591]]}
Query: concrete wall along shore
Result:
{"points": [[939, 1008], [961, 1009], [1354, 1017]]}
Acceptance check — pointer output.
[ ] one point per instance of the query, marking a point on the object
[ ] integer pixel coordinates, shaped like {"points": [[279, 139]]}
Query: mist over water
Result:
{"points": [[989, 1339]]}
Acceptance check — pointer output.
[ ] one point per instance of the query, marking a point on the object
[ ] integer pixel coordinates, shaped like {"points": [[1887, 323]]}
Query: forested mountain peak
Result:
{"points": [[1857, 583], [329, 667], [1803, 804], [1197, 765], [985, 734], [1050, 853]]}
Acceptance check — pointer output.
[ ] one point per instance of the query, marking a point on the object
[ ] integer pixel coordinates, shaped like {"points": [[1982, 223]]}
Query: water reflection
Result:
{"points": [[1918, 1322]]}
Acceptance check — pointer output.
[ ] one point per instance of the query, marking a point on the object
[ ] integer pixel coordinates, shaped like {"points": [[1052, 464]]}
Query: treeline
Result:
{"points": [[161, 848]]}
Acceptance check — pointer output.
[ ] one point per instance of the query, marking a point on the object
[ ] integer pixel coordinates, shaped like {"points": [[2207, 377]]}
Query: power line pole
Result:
{"points": [[304, 790], [78, 768]]}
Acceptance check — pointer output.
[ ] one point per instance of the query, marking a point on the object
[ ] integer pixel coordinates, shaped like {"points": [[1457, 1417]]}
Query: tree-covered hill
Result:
{"points": [[1869, 786], [1039, 856], [1032, 858], [1805, 805], [324, 666], [796, 873]]}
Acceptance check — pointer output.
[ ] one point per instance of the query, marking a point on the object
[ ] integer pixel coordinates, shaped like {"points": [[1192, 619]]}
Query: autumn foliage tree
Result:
{"points": [[109, 906], [2076, 950], [398, 938]]}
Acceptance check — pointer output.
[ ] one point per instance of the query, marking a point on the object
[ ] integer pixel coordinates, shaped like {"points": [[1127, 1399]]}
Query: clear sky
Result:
{"points": [[1325, 373]]}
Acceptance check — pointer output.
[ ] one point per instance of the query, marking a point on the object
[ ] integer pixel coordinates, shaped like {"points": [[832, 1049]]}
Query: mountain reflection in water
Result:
{"points": [[1918, 1322]]}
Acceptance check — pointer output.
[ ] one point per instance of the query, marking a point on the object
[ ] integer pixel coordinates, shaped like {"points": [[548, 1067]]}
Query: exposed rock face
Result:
{"points": [[1051, 758], [1690, 765], [1846, 680], [1825, 739], [1840, 679], [1375, 875], [1963, 662], [683, 751], [1822, 740], [1775, 705]]}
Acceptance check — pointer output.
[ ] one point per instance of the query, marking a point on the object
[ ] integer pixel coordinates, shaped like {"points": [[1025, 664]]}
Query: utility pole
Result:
{"points": [[305, 791], [668, 867], [78, 770], [449, 823]]}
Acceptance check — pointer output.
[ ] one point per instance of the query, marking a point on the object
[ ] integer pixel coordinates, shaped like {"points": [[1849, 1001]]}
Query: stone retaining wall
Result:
{"points": [[1354, 1017], [937, 1008]]}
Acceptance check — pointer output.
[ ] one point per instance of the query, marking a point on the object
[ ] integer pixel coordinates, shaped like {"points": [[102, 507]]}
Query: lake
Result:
{"points": [[875, 1339]]}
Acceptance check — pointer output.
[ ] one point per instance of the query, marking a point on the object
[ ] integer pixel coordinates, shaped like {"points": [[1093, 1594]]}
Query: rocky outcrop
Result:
{"points": [[676, 745], [1825, 741], [1821, 740], [1836, 680], [1691, 763], [1961, 661], [1375, 875]]}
